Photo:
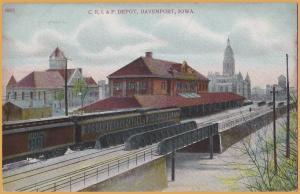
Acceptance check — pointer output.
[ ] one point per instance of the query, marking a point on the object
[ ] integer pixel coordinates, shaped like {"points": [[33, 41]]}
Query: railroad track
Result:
{"points": [[42, 169], [63, 177]]}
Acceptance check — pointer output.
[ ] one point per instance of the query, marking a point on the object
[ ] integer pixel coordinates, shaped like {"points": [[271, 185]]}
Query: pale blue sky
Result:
{"points": [[260, 36]]}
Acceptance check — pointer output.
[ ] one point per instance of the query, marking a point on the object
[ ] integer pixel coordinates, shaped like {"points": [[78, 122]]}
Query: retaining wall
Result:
{"points": [[151, 176]]}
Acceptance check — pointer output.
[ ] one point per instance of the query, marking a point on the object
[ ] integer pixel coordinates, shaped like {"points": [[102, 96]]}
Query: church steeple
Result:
{"points": [[228, 61]]}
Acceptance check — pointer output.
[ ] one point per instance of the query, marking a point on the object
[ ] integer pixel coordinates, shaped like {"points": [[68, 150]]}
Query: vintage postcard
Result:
{"points": [[157, 97]]}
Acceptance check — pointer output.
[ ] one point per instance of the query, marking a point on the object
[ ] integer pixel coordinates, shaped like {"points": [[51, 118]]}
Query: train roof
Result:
{"points": [[56, 119]]}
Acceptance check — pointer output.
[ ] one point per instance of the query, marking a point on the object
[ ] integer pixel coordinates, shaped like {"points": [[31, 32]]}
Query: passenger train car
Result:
{"points": [[52, 136]]}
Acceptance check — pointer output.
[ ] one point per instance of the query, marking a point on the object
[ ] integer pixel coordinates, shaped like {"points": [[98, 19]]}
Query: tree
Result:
{"points": [[258, 172], [80, 89], [60, 96]]}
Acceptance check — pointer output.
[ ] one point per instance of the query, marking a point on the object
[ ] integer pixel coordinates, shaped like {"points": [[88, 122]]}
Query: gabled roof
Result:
{"points": [[90, 81], [70, 72], [57, 53], [150, 67], [12, 82], [41, 79]]}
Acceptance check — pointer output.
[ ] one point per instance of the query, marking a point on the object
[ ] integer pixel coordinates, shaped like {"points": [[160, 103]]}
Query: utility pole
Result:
{"points": [[211, 144], [288, 109], [66, 88], [274, 131], [173, 161]]}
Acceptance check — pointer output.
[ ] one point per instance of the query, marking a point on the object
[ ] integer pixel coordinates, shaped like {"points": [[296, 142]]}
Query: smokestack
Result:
{"points": [[148, 54]]}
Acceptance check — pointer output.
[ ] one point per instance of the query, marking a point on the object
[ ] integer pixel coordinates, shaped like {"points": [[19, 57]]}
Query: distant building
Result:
{"points": [[282, 81], [150, 76], [46, 88], [258, 94], [280, 88], [14, 112], [103, 89], [229, 81]]}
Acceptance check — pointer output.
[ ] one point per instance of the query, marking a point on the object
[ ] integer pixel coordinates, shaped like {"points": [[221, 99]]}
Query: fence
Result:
{"points": [[187, 138], [147, 138], [239, 120], [91, 176]]}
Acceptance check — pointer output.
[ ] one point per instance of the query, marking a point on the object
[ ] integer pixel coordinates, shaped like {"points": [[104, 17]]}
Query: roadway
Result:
{"points": [[72, 168]]}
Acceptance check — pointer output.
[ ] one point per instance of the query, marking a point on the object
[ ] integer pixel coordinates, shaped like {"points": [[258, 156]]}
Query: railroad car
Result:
{"points": [[52, 136], [247, 102], [261, 103]]}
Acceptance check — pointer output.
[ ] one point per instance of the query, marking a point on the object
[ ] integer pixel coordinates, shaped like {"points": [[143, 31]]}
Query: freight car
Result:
{"points": [[52, 136], [261, 103]]}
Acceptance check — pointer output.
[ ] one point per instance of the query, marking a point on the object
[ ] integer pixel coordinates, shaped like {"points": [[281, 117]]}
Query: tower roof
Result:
{"points": [[228, 61], [281, 77], [247, 77], [228, 50], [57, 53], [12, 82]]}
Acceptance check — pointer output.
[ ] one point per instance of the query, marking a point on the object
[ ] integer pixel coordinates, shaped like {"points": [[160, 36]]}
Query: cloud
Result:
{"points": [[103, 44], [96, 34], [98, 40], [256, 37], [184, 35]]}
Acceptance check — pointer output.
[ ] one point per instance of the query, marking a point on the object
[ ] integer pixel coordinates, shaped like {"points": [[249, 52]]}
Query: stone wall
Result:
{"points": [[237, 133], [227, 138], [151, 176]]}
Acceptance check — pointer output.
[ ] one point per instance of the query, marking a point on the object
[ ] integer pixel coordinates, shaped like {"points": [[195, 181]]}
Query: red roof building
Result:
{"points": [[46, 87], [206, 103], [153, 83], [90, 81], [41, 79], [149, 76]]}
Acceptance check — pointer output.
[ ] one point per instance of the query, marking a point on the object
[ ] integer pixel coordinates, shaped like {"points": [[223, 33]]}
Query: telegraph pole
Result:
{"points": [[173, 161], [274, 131], [66, 88], [288, 109]]}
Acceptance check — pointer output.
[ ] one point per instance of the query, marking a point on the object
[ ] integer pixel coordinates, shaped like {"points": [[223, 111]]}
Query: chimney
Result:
{"points": [[148, 54]]}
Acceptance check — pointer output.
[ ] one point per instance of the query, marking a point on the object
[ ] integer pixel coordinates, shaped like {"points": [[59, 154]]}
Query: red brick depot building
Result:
{"points": [[149, 76], [154, 83]]}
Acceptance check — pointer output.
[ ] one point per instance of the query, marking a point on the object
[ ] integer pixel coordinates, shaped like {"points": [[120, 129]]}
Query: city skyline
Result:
{"points": [[260, 36]]}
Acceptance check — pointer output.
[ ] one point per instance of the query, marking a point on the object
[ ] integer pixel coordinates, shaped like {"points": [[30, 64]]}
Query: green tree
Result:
{"points": [[60, 96], [259, 173], [80, 89]]}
